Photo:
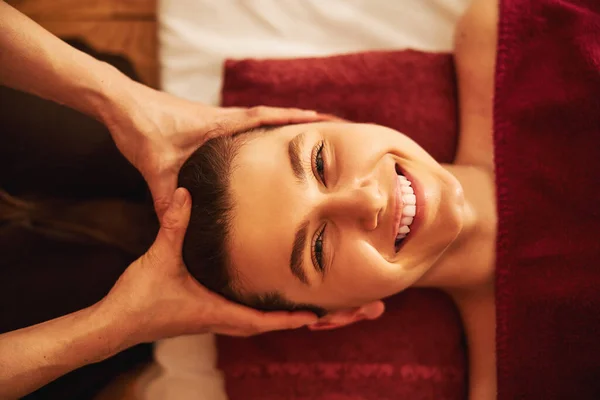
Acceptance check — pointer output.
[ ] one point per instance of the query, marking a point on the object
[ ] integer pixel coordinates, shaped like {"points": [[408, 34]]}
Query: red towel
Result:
{"points": [[416, 350], [410, 91], [547, 144]]}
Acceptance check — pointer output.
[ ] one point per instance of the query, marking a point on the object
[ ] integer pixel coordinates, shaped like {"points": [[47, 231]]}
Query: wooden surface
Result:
{"points": [[86, 9], [123, 27], [124, 387]]}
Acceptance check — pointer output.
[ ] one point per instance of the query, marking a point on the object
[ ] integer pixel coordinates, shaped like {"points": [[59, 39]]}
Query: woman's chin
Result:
{"points": [[439, 220]]}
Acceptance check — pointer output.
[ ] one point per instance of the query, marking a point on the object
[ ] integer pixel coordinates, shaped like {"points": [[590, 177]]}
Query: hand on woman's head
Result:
{"points": [[157, 132], [157, 297]]}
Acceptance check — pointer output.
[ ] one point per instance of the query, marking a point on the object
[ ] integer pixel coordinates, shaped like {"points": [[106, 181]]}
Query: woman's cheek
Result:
{"points": [[367, 265]]}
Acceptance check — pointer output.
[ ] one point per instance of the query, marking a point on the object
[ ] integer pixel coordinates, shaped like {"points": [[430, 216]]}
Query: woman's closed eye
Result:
{"points": [[318, 167], [318, 164], [317, 250]]}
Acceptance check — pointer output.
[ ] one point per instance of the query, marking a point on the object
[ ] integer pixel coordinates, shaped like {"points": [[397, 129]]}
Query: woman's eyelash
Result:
{"points": [[317, 250], [318, 168], [318, 164]]}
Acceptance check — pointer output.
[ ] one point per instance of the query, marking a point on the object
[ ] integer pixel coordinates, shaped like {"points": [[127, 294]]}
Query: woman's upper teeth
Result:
{"points": [[406, 221], [410, 209]]}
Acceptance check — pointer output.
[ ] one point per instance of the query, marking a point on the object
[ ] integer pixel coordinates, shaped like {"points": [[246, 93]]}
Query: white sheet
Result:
{"points": [[184, 368], [196, 36]]}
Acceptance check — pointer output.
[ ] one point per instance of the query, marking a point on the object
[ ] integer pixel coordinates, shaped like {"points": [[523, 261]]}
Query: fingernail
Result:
{"points": [[308, 322], [179, 198], [309, 112]]}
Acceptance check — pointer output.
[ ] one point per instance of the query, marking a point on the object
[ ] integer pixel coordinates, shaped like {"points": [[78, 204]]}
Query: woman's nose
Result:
{"points": [[363, 202]]}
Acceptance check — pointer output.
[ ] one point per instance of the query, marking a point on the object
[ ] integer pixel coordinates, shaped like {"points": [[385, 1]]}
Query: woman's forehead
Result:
{"points": [[267, 205]]}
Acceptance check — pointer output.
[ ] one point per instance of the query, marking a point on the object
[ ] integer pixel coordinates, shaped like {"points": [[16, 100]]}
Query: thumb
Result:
{"points": [[162, 190], [175, 219]]}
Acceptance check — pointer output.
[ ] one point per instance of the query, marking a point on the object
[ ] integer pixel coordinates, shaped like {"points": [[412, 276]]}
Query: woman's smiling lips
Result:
{"points": [[405, 207], [415, 213]]}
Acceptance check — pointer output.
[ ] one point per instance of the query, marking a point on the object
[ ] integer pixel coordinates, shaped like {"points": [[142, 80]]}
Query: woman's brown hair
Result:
{"points": [[206, 175]]}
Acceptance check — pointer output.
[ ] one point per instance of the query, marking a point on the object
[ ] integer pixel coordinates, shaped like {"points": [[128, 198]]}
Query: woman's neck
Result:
{"points": [[469, 262]]}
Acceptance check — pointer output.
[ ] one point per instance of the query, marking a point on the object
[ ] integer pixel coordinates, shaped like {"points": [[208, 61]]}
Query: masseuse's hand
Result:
{"points": [[158, 298], [157, 132]]}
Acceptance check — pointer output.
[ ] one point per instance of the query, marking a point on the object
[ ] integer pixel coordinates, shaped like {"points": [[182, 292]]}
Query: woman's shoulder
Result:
{"points": [[475, 56], [479, 22]]}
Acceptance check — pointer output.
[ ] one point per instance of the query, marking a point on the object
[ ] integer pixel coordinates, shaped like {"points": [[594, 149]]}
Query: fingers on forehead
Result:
{"points": [[283, 320]]}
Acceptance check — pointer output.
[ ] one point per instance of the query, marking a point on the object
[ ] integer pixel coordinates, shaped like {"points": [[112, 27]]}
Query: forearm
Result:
{"points": [[35, 61], [34, 356]]}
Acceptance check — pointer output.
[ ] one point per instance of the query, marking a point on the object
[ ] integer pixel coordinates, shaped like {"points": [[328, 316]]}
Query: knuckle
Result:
{"points": [[161, 206], [172, 221], [253, 329], [216, 129], [257, 112], [161, 202], [169, 161], [169, 221]]}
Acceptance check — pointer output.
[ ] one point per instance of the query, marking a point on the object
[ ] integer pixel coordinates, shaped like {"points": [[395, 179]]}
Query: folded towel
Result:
{"points": [[547, 151], [416, 350], [411, 91]]}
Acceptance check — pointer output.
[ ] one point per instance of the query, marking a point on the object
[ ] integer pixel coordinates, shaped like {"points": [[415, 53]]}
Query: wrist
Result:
{"points": [[122, 106], [110, 95], [115, 329]]}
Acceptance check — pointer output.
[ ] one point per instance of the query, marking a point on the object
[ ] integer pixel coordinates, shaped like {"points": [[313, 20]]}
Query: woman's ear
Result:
{"points": [[337, 319]]}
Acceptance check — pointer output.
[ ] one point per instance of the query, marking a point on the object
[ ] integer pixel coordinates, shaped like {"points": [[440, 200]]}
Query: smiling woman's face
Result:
{"points": [[320, 211]]}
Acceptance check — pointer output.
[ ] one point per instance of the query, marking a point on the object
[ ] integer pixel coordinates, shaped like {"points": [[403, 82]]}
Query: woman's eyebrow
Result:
{"points": [[295, 155], [296, 259]]}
